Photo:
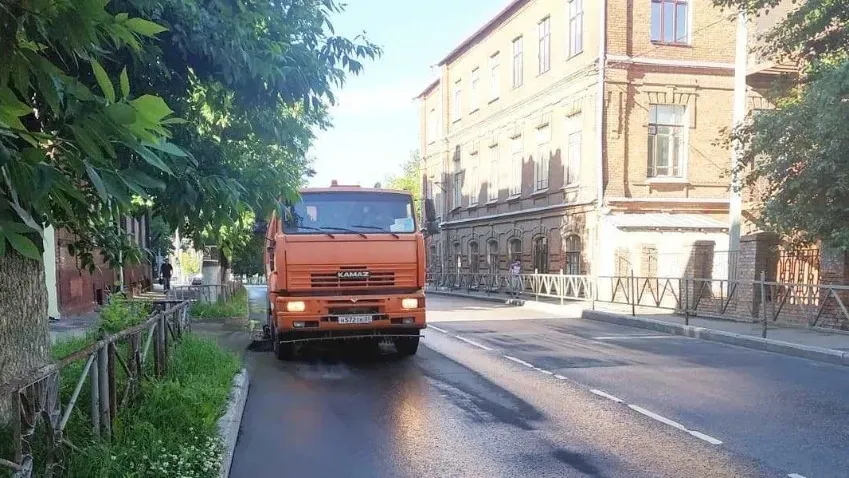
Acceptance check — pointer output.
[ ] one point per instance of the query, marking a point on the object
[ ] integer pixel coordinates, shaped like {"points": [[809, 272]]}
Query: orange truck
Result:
{"points": [[345, 263]]}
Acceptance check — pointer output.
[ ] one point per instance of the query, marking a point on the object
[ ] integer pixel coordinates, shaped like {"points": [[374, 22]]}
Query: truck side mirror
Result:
{"points": [[260, 227]]}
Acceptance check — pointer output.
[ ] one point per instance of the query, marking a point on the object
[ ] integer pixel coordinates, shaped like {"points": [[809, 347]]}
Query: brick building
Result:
{"points": [[74, 291], [582, 136]]}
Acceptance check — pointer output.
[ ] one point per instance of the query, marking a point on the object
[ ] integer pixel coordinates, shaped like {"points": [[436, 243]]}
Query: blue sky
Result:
{"points": [[376, 120]]}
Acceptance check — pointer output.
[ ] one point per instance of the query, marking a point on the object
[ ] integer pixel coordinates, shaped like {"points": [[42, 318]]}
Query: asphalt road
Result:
{"points": [[495, 393]]}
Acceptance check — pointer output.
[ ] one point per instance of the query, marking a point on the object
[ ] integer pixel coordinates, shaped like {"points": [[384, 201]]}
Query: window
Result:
{"points": [[515, 250], [432, 126], [350, 213], [543, 158], [494, 78], [492, 256], [431, 258], [667, 141], [540, 255], [516, 163], [458, 259], [474, 180], [473, 91], [474, 258], [518, 63], [544, 30], [670, 21], [573, 256], [456, 111], [458, 189], [492, 187], [573, 160], [576, 27]]}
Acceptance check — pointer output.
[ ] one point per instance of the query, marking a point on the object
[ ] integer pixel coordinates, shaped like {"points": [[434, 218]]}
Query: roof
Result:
{"points": [[482, 31], [352, 189], [428, 89], [665, 221]]}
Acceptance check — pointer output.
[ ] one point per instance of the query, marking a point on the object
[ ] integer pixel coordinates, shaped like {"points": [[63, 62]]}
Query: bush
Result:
{"points": [[237, 306]]}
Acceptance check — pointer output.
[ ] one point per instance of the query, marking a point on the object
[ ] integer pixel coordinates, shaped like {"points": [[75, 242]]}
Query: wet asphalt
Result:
{"points": [[495, 392]]}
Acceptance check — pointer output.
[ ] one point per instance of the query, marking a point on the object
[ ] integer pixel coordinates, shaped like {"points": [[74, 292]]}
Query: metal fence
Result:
{"points": [[251, 280], [754, 301], [36, 397], [204, 293]]}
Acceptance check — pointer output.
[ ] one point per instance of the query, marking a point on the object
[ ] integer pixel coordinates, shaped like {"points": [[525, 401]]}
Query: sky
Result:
{"points": [[375, 121]]}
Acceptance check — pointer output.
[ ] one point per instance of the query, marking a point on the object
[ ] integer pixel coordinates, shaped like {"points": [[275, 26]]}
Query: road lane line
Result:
{"points": [[545, 371], [795, 475], [437, 329], [519, 361], [674, 424], [472, 342], [560, 377], [627, 337], [606, 395]]}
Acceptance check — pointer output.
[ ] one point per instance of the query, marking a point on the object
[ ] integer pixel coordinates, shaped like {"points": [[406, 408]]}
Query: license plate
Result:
{"points": [[354, 319]]}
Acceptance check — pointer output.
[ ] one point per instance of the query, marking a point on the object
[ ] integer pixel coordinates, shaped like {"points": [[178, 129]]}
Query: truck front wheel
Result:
{"points": [[407, 346], [281, 351]]}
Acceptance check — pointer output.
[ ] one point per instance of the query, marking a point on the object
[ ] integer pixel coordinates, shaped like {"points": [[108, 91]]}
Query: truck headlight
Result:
{"points": [[295, 306], [410, 303]]}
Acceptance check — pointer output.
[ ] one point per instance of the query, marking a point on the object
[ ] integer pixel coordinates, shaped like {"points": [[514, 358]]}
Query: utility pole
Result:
{"points": [[735, 210]]}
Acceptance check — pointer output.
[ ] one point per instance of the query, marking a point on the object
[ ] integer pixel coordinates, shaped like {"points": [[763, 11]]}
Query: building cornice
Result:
{"points": [[637, 60], [504, 215]]}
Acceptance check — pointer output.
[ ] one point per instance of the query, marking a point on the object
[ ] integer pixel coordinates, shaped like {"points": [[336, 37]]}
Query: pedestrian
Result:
{"points": [[165, 271], [516, 278]]}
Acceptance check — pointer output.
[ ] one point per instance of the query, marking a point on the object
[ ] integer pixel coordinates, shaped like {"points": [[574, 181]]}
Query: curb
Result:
{"points": [[818, 354], [229, 423]]}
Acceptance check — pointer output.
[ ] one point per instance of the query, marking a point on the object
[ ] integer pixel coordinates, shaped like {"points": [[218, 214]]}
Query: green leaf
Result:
{"points": [[2, 244], [87, 143], [125, 83], [142, 179], [103, 81], [152, 108], [169, 148], [122, 17], [24, 246], [11, 105], [97, 181], [121, 113], [152, 159], [15, 227], [144, 27], [174, 121]]}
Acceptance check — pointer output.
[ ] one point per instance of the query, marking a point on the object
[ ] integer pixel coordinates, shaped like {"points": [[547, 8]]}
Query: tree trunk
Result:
{"points": [[24, 332]]}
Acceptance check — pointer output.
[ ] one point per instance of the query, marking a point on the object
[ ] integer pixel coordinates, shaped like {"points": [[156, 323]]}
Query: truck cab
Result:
{"points": [[345, 263]]}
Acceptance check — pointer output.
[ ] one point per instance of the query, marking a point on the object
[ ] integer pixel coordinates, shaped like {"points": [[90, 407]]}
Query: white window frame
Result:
{"points": [[576, 28], [542, 162], [518, 62], [456, 100], [574, 145], [473, 91], [431, 126], [493, 170], [494, 77], [688, 18], [544, 44], [653, 138], [517, 152]]}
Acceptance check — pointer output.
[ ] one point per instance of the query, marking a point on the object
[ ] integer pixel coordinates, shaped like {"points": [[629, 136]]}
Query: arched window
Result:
{"points": [[515, 250], [432, 256], [492, 256], [474, 257], [540, 255], [573, 255], [457, 259]]}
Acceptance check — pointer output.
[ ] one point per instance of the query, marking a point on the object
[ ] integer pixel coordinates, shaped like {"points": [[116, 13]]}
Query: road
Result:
{"points": [[494, 392]]}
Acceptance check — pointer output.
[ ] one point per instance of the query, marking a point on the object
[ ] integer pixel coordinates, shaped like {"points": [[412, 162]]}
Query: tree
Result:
{"points": [[409, 179], [795, 160]]}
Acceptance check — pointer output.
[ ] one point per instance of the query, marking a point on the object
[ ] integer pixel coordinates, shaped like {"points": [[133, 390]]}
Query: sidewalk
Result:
{"points": [[812, 343]]}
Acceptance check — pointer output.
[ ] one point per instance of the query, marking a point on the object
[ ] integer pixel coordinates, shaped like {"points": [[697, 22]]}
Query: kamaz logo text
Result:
{"points": [[353, 275]]}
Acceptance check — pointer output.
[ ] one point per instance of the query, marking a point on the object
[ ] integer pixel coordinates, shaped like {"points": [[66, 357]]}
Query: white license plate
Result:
{"points": [[355, 319]]}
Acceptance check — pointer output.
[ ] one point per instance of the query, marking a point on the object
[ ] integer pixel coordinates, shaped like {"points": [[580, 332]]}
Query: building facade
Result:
{"points": [[582, 137]]}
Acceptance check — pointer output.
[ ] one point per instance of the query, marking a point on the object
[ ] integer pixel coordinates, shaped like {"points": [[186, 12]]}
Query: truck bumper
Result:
{"points": [[347, 317]]}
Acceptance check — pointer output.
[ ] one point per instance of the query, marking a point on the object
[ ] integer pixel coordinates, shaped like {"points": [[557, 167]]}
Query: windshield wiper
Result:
{"points": [[347, 230], [376, 228], [317, 229]]}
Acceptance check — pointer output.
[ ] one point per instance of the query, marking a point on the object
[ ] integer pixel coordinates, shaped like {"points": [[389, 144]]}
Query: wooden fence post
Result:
{"points": [[95, 399], [103, 379], [157, 348], [113, 390]]}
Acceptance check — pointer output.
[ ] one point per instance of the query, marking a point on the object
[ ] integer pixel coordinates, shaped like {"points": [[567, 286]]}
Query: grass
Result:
{"points": [[237, 306]]}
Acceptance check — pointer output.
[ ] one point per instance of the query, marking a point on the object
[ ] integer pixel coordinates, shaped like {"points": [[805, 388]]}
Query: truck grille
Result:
{"points": [[332, 280]]}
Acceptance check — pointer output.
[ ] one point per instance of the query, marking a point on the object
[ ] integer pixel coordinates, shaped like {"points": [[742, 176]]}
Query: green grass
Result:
{"points": [[172, 430], [237, 306]]}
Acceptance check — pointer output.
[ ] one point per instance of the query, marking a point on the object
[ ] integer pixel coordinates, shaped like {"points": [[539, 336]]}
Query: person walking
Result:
{"points": [[165, 271], [516, 278]]}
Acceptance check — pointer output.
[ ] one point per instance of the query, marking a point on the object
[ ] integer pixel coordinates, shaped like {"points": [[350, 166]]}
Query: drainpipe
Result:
{"points": [[735, 211], [602, 60]]}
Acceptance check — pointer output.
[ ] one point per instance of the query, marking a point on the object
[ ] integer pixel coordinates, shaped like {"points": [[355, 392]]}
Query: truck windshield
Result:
{"points": [[350, 213]]}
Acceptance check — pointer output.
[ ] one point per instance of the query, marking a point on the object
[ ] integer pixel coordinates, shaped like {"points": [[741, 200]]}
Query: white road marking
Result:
{"points": [[519, 361], [674, 424], [472, 342], [606, 395], [437, 329], [627, 337], [545, 371], [560, 377], [795, 475]]}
